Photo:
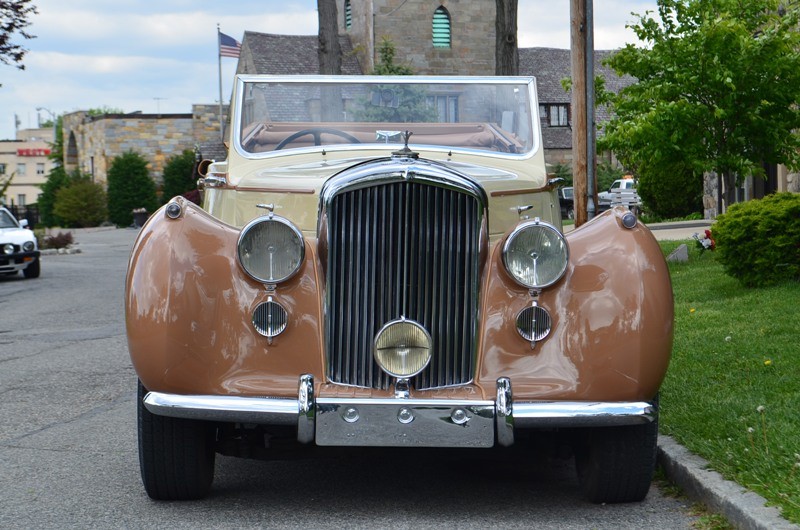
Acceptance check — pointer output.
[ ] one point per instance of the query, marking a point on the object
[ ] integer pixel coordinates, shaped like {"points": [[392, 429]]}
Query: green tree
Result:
{"points": [[178, 175], [82, 203], [394, 103], [56, 180], [718, 90], [14, 19], [129, 187]]}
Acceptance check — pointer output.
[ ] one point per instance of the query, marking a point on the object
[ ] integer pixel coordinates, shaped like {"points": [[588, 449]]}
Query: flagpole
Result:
{"points": [[219, 63]]}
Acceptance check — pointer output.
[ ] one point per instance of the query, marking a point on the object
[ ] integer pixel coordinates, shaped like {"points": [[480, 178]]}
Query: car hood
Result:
{"points": [[15, 235]]}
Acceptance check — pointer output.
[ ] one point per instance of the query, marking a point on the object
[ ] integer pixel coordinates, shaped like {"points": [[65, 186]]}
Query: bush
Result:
{"points": [[758, 242], [178, 175], [673, 192], [60, 240], [56, 181], [81, 204], [129, 187]]}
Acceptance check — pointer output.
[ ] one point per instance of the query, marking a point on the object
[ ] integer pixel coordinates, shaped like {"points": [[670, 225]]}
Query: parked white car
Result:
{"points": [[18, 244]]}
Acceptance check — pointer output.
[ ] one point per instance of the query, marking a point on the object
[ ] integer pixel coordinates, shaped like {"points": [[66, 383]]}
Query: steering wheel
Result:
{"points": [[317, 133]]}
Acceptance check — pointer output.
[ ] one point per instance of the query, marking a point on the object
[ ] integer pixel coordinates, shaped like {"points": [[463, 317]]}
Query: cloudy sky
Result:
{"points": [[161, 55]]}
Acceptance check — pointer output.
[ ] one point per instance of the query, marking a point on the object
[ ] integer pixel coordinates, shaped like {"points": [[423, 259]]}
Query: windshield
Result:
{"points": [[6, 221], [451, 113]]}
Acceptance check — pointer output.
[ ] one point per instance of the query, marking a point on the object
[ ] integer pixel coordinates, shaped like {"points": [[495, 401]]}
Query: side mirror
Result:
{"points": [[23, 223]]}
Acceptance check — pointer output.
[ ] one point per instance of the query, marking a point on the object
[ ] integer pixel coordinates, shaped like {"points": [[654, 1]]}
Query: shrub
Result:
{"points": [[672, 192], [60, 240], [129, 187], [56, 180], [179, 175], [758, 242], [81, 204]]}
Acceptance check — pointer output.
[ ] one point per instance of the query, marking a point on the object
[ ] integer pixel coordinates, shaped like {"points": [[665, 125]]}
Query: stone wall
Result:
{"points": [[92, 142], [408, 23]]}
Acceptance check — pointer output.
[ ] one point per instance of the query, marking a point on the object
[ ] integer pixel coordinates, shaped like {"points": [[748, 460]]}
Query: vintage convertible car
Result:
{"points": [[20, 251], [380, 262]]}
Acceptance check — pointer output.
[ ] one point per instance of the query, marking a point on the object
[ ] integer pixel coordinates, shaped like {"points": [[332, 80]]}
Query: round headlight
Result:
{"points": [[28, 246], [271, 249], [8, 248], [402, 348], [536, 255]]}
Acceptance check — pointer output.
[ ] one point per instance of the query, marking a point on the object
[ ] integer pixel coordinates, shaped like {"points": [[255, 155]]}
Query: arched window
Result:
{"points": [[348, 15], [441, 28]]}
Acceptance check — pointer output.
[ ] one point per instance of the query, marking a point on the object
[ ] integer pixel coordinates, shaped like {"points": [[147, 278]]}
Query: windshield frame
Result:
{"points": [[242, 81]]}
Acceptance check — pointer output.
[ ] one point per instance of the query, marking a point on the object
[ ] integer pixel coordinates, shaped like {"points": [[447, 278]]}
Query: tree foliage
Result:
{"points": [[14, 16], [56, 180], [81, 204], [129, 187], [179, 175], [718, 90]]}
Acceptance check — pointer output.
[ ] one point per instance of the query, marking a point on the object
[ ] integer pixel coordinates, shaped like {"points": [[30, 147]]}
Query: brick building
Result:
{"points": [[25, 161]]}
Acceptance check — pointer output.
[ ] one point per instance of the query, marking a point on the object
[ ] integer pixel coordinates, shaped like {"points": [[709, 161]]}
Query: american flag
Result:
{"points": [[228, 46]]}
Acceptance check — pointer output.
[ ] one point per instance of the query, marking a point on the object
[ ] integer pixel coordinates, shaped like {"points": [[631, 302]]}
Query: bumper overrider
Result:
{"points": [[401, 422]]}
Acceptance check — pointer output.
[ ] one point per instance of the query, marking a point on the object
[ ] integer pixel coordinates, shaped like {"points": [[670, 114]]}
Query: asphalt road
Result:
{"points": [[68, 456]]}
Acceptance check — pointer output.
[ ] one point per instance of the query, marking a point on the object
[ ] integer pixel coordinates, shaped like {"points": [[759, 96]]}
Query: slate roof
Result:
{"points": [[550, 66], [291, 54]]}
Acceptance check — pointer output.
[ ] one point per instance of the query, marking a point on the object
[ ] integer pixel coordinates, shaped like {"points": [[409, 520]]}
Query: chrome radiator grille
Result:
{"points": [[402, 249]]}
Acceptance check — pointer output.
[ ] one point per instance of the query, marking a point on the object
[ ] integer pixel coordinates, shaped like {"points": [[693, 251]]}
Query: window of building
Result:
{"points": [[555, 115], [40, 168], [348, 15], [441, 28], [21, 169], [447, 106], [21, 199], [2, 169]]}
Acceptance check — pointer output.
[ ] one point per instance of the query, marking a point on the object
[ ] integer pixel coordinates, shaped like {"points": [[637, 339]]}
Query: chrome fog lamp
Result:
{"points": [[173, 210], [270, 249], [8, 248], [536, 254], [534, 323], [28, 246], [270, 318], [402, 348]]}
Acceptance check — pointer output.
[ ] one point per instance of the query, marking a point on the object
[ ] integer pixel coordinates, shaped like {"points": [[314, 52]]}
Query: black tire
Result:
{"points": [[616, 464], [176, 456], [571, 213], [32, 270]]}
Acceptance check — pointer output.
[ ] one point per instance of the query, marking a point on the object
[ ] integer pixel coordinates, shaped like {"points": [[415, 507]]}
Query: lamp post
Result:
{"points": [[53, 118]]}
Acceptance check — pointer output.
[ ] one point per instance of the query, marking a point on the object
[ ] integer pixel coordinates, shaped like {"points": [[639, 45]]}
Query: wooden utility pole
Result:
{"points": [[329, 53], [583, 126]]}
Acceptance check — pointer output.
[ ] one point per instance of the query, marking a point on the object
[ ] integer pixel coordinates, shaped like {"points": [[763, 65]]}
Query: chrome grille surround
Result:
{"points": [[401, 238]]}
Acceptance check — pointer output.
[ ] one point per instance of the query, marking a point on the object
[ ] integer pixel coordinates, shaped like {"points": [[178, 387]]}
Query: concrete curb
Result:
{"points": [[742, 508]]}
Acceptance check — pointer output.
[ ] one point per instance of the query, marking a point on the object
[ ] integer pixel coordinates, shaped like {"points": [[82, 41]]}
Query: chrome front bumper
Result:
{"points": [[399, 422]]}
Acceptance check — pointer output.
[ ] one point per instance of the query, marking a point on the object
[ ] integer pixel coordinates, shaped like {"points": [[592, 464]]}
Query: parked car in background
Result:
{"points": [[380, 262], [20, 251], [566, 201], [621, 192]]}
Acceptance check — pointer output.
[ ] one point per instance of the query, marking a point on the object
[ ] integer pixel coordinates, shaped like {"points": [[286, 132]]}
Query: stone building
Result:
{"points": [[92, 142], [25, 160]]}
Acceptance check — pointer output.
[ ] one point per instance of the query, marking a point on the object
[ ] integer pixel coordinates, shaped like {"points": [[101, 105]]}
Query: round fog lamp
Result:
{"points": [[402, 348], [269, 319], [533, 323]]}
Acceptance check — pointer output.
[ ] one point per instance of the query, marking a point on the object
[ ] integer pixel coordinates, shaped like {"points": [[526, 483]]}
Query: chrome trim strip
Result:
{"points": [[275, 411], [529, 415]]}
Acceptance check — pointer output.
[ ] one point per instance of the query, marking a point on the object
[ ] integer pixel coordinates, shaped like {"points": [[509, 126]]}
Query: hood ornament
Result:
{"points": [[405, 152]]}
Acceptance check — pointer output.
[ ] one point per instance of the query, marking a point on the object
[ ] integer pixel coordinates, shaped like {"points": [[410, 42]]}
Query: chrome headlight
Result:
{"points": [[402, 348], [28, 246], [536, 255], [270, 249], [8, 248]]}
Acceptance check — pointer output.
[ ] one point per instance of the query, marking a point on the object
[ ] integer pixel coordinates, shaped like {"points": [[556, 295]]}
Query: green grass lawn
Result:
{"points": [[732, 392]]}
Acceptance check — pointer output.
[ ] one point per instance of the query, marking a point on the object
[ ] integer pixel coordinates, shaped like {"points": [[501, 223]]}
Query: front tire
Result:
{"points": [[33, 269], [176, 455], [616, 464]]}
